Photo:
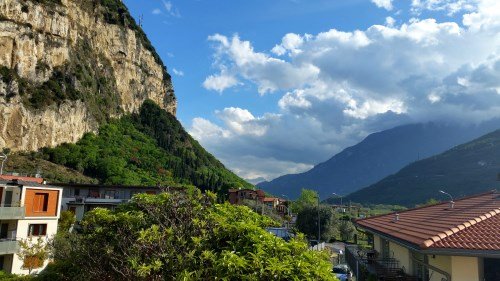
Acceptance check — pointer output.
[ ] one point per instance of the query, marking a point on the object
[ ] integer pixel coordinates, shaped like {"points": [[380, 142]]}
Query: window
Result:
{"points": [[41, 202], [37, 230], [77, 192]]}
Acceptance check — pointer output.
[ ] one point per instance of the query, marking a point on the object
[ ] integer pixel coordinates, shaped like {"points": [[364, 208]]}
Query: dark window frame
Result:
{"points": [[37, 229]]}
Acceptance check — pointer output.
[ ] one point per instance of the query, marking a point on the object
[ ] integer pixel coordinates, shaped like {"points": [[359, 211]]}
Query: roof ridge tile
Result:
{"points": [[440, 236]]}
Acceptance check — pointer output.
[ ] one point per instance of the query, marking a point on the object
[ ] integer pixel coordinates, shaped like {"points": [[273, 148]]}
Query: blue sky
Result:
{"points": [[276, 86]]}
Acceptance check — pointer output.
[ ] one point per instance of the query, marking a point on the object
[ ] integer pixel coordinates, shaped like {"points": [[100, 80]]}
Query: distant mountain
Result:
{"points": [[467, 169], [377, 156]]}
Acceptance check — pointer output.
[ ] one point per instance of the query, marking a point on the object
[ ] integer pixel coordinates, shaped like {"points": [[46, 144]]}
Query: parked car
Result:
{"points": [[342, 272]]}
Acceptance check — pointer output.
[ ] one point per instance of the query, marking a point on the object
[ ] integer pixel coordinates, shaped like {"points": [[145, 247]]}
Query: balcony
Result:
{"points": [[11, 213], [366, 264], [8, 246]]}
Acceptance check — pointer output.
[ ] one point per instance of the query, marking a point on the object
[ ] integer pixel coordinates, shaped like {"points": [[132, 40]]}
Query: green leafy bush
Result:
{"points": [[185, 236]]}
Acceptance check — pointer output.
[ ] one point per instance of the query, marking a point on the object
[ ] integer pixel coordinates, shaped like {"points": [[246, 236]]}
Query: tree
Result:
{"points": [[346, 230], [184, 236], [66, 220], [33, 253], [307, 198], [307, 222]]}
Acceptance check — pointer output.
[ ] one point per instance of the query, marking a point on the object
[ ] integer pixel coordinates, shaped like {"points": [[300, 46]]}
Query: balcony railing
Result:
{"points": [[8, 246], [366, 264], [9, 213]]}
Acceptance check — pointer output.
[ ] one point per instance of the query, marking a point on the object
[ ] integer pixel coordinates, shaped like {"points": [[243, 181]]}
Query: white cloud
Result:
{"points": [[170, 9], [390, 21], [337, 86], [386, 4], [451, 7], [220, 82], [156, 11], [237, 58], [178, 72]]}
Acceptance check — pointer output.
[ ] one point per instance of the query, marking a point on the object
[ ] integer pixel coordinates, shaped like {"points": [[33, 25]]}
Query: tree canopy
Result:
{"points": [[307, 198], [183, 236], [307, 222], [148, 148]]}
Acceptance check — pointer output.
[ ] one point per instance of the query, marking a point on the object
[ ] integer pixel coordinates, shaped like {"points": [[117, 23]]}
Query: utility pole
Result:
{"points": [[319, 223]]}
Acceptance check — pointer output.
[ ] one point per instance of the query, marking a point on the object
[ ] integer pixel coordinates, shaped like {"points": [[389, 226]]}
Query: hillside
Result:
{"points": [[147, 148], [31, 163], [84, 97], [377, 156], [67, 66], [463, 170]]}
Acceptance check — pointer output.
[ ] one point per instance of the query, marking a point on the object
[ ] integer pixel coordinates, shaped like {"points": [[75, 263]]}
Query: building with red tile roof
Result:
{"points": [[452, 240]]}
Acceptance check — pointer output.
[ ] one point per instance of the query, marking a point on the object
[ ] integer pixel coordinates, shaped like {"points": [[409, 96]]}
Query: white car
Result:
{"points": [[342, 272]]}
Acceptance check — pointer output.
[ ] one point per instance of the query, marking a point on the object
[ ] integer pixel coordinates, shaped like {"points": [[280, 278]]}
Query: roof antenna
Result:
{"points": [[452, 204], [141, 20]]}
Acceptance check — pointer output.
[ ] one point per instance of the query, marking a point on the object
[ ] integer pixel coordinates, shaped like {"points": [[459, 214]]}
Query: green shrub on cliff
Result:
{"points": [[148, 148]]}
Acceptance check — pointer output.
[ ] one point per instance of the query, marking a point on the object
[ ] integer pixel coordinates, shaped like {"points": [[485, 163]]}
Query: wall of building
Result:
{"points": [[53, 202], [441, 262], [16, 195], [465, 268], [402, 254], [377, 244], [7, 262], [22, 232]]}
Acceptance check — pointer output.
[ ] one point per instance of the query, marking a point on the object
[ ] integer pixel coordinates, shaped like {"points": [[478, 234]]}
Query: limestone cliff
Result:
{"points": [[68, 65]]}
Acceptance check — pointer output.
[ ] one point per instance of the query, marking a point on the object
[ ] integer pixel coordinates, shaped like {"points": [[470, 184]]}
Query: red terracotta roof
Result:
{"points": [[27, 179], [473, 223]]}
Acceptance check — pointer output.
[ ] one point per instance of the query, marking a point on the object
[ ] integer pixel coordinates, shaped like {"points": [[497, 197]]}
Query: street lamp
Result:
{"points": [[319, 223], [288, 205], [287, 210], [452, 203]]}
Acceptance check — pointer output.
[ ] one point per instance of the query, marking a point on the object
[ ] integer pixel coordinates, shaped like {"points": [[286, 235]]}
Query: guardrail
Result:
{"points": [[11, 213], [8, 246]]}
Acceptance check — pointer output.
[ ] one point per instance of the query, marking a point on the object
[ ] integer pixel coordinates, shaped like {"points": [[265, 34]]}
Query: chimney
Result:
{"points": [[452, 204], [396, 217]]}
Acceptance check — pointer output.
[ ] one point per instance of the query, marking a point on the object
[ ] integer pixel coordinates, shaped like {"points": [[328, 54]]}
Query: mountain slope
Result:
{"points": [[67, 66], [463, 170], [81, 83], [378, 155], [147, 148]]}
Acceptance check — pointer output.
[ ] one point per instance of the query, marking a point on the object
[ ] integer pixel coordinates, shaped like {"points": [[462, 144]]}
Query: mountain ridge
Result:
{"points": [[378, 155], [463, 170]]}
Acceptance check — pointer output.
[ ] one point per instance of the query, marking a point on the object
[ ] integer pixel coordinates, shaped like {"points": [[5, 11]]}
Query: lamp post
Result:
{"points": [[287, 209], [319, 223], [452, 203]]}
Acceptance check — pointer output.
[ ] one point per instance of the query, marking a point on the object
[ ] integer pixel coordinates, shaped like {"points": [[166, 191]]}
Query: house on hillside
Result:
{"points": [[28, 208], [452, 241], [82, 198], [237, 196]]}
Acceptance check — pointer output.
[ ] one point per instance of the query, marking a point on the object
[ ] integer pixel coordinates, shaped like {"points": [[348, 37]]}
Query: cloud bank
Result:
{"points": [[338, 86]]}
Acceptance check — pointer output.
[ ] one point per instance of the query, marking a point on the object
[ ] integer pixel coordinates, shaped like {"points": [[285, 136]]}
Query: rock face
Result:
{"points": [[53, 92]]}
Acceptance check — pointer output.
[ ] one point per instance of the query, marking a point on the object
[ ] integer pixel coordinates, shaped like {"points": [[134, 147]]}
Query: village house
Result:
{"points": [[82, 198], [238, 196], [28, 209], [451, 241]]}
